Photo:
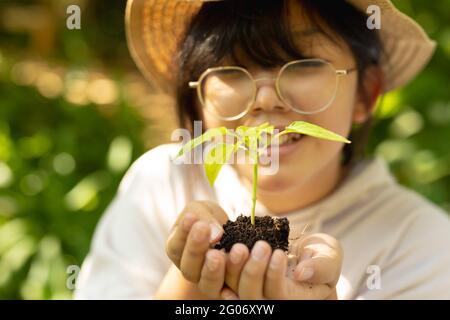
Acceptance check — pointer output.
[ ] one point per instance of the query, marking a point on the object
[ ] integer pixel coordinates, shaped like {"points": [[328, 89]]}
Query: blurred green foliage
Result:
{"points": [[61, 155], [412, 129], [70, 127]]}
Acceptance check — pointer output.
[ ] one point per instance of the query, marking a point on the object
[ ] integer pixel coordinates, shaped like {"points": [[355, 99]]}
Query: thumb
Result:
{"points": [[319, 264], [207, 211], [216, 211], [219, 216]]}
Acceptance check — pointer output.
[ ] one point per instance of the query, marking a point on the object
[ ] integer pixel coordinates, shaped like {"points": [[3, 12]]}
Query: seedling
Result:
{"points": [[255, 141]]}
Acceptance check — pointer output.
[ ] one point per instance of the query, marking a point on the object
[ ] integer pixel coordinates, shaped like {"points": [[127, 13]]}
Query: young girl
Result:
{"points": [[233, 62]]}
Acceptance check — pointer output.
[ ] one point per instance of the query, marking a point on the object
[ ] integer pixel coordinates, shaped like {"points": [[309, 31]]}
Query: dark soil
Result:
{"points": [[274, 230]]}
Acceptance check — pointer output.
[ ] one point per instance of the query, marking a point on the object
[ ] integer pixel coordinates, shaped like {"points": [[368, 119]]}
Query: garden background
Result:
{"points": [[75, 113]]}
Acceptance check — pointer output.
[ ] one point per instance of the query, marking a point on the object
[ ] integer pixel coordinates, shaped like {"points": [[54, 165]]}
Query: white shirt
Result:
{"points": [[384, 228]]}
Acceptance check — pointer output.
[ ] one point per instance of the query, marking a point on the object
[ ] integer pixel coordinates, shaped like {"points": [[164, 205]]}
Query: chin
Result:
{"points": [[287, 177]]}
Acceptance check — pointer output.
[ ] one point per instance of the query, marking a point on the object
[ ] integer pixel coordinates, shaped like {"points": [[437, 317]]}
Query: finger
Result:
{"points": [[208, 211], [275, 282], [213, 274], [194, 211], [333, 295], [322, 270], [307, 291], [218, 213], [319, 264], [235, 262], [177, 239], [228, 294], [317, 238], [194, 252], [251, 281]]}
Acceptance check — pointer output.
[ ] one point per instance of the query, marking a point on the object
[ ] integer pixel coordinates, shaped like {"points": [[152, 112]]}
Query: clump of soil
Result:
{"points": [[274, 230]]}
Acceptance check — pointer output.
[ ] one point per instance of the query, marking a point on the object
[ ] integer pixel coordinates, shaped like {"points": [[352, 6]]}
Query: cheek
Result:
{"points": [[210, 121], [338, 116]]}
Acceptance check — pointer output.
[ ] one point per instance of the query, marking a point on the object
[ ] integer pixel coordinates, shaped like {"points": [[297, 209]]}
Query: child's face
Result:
{"points": [[310, 158]]}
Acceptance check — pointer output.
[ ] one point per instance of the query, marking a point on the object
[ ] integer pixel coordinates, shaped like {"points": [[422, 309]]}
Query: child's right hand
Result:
{"points": [[188, 246]]}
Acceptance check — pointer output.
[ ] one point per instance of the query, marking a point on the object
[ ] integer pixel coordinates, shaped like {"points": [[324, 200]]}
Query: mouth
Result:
{"points": [[287, 139], [284, 144]]}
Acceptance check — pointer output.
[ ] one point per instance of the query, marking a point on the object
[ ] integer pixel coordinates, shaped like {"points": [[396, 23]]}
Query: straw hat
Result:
{"points": [[153, 28]]}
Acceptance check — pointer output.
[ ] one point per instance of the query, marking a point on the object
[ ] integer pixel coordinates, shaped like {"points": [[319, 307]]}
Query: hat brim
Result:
{"points": [[155, 27]]}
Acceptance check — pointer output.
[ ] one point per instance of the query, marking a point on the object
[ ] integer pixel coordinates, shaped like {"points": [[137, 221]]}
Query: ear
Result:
{"points": [[365, 103]]}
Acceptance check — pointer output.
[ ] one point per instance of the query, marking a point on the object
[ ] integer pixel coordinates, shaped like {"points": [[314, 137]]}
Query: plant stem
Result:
{"points": [[255, 182]]}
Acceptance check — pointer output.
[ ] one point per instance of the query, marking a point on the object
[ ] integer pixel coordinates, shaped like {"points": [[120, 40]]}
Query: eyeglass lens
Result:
{"points": [[306, 86]]}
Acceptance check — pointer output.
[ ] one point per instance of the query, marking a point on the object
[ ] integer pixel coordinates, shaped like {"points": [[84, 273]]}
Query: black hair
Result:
{"points": [[260, 28]]}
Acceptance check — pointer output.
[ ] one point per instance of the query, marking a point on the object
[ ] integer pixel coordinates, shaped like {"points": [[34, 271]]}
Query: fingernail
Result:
{"points": [[228, 296], [305, 274], [216, 232], [188, 221], [212, 263], [236, 255], [199, 231], [259, 251]]}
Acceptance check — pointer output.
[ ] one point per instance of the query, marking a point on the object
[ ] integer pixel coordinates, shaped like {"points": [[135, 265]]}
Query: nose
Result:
{"points": [[267, 99]]}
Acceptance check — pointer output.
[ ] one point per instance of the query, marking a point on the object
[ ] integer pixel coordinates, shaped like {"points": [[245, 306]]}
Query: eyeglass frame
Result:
{"points": [[196, 85]]}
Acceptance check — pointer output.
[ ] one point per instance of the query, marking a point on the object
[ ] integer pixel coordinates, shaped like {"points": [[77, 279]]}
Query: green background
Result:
{"points": [[75, 113]]}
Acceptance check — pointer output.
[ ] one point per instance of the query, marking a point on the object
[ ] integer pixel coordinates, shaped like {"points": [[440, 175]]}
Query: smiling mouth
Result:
{"points": [[283, 140], [286, 139], [285, 144]]}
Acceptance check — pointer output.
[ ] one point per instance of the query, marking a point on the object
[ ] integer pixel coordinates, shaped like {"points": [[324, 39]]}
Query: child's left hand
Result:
{"points": [[317, 260]]}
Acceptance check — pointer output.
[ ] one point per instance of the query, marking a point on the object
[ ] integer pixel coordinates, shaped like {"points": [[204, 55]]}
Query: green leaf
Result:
{"points": [[242, 129], [251, 137], [215, 158], [264, 128], [310, 129], [268, 129], [255, 131], [207, 136]]}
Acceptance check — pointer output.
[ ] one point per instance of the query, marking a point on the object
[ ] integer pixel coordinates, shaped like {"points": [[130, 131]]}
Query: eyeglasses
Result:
{"points": [[307, 86]]}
